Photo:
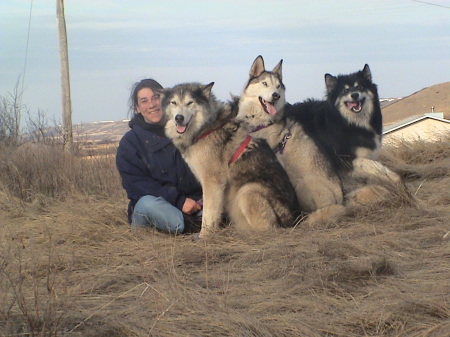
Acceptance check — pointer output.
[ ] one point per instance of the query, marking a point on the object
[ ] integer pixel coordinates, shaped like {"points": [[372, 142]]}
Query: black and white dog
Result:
{"points": [[347, 125]]}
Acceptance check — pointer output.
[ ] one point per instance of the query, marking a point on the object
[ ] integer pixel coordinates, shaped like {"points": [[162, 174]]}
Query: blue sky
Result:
{"points": [[114, 43]]}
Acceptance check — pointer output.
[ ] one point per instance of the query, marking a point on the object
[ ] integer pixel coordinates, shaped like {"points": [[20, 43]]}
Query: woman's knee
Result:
{"points": [[159, 213]]}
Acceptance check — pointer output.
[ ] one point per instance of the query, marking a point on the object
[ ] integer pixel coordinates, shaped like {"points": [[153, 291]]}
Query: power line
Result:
{"points": [[431, 4], [26, 49]]}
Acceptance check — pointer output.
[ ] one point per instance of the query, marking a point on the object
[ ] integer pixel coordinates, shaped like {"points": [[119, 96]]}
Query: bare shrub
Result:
{"points": [[10, 117], [38, 129]]}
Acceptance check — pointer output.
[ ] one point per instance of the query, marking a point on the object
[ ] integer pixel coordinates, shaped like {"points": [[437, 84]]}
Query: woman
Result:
{"points": [[158, 182]]}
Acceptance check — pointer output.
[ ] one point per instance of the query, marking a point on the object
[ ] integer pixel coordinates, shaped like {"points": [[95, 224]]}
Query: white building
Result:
{"points": [[427, 127]]}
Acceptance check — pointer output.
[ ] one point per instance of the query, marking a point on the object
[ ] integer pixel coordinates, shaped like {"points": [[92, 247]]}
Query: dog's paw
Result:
{"points": [[328, 214], [394, 177], [367, 196], [195, 237]]}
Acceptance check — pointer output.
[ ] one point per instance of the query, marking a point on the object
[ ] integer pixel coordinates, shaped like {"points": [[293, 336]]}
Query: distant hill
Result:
{"points": [[101, 132], [437, 96]]}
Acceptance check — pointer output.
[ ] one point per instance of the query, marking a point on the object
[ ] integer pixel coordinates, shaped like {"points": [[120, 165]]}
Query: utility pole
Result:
{"points": [[65, 82]]}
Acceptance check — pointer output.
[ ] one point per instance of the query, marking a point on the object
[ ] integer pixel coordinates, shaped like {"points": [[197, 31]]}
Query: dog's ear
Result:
{"points": [[366, 72], [161, 92], [277, 70], [207, 89], [257, 67], [330, 82]]}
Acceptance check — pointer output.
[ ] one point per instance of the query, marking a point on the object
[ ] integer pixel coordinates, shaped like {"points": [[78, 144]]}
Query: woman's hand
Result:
{"points": [[191, 206]]}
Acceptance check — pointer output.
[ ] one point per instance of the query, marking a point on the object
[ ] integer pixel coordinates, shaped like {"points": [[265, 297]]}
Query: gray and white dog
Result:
{"points": [[262, 108], [239, 174]]}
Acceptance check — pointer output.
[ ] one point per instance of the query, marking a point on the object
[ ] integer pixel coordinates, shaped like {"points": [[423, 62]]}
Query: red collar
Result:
{"points": [[239, 151], [207, 133]]}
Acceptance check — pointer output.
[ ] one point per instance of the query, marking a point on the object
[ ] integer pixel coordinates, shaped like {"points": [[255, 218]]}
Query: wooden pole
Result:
{"points": [[65, 82]]}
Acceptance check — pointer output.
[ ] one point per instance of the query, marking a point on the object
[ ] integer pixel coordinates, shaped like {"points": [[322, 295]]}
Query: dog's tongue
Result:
{"points": [[353, 105], [271, 108], [181, 128]]}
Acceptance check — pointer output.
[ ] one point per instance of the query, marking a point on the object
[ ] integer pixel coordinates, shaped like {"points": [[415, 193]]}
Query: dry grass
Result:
{"points": [[72, 267], [35, 171]]}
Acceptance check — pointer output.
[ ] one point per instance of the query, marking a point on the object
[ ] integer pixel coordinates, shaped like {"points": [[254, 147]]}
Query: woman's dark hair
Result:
{"points": [[146, 83]]}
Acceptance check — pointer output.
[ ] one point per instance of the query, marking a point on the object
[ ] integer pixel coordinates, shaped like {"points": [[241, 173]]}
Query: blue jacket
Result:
{"points": [[151, 165]]}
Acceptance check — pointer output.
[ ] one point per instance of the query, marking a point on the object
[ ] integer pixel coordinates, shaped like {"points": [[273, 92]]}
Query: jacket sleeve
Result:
{"points": [[136, 179]]}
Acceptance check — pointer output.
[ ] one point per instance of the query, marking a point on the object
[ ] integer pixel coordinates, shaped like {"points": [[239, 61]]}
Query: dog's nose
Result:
{"points": [[179, 119], [275, 96], [355, 95]]}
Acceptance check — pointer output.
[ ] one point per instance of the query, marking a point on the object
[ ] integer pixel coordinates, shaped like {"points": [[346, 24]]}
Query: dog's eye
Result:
{"points": [[173, 102], [346, 90], [189, 103], [278, 86], [359, 87], [264, 84]]}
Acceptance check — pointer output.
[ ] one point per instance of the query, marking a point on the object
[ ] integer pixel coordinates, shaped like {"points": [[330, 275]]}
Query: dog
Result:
{"points": [[240, 175], [262, 109], [348, 126]]}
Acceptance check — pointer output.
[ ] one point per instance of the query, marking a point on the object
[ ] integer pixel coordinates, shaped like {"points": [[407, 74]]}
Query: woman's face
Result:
{"points": [[149, 105]]}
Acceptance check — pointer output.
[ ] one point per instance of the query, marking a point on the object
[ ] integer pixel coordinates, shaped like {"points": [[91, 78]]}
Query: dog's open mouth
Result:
{"points": [[355, 106], [181, 124], [181, 128], [268, 107]]}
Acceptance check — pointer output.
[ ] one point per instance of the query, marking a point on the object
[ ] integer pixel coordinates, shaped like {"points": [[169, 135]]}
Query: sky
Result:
{"points": [[114, 43]]}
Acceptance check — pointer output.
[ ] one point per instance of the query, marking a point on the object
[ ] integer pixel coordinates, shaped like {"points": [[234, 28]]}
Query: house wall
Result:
{"points": [[426, 129]]}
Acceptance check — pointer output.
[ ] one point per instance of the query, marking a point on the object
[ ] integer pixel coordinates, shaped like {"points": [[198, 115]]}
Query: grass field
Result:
{"points": [[70, 266]]}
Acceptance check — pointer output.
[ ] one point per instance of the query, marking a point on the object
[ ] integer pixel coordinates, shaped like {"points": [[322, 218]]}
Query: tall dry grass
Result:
{"points": [[70, 266], [35, 171]]}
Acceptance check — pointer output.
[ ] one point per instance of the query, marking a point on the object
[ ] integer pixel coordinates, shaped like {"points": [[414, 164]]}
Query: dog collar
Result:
{"points": [[207, 133], [281, 145], [260, 127], [239, 151]]}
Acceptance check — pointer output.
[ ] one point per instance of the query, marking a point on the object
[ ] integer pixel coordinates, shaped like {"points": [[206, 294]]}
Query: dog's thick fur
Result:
{"points": [[254, 191], [261, 107], [348, 126]]}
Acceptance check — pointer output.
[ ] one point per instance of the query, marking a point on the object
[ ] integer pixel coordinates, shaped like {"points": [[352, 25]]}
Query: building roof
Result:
{"points": [[438, 116]]}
